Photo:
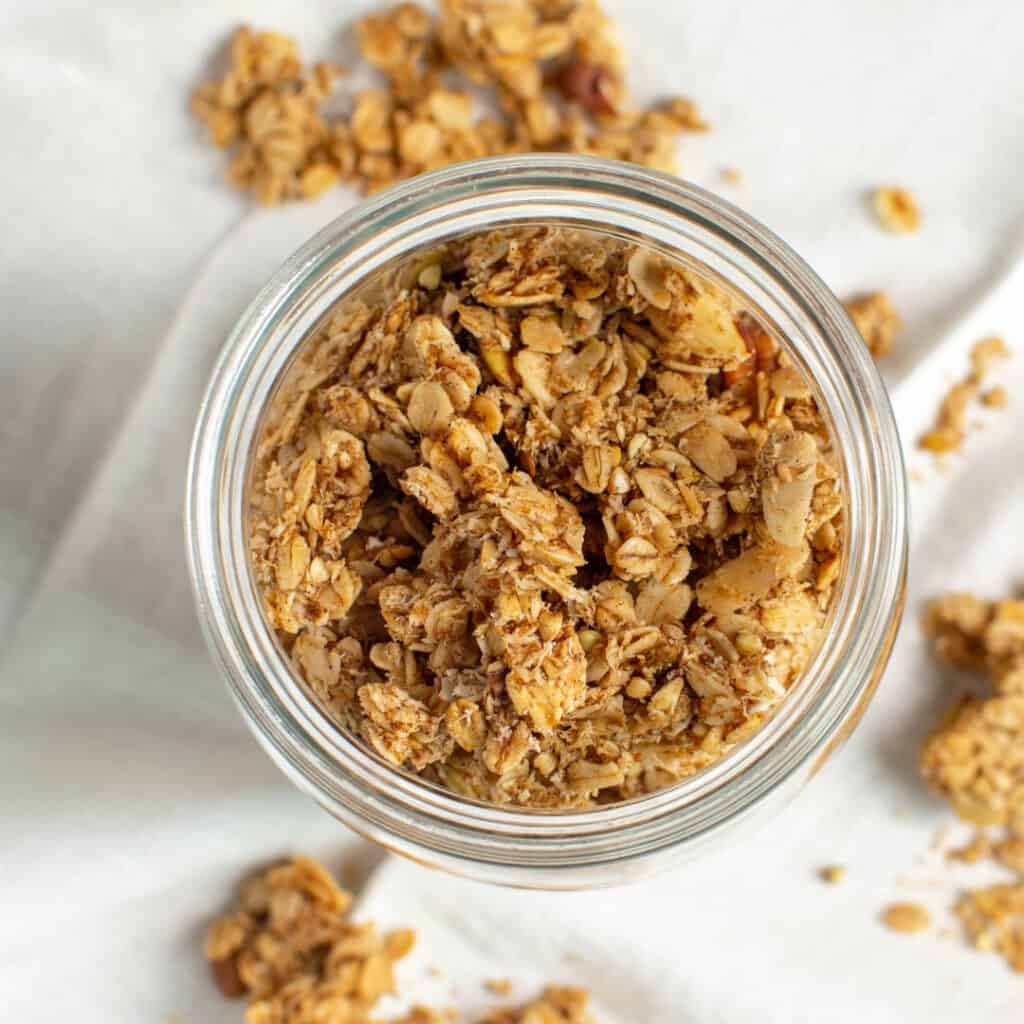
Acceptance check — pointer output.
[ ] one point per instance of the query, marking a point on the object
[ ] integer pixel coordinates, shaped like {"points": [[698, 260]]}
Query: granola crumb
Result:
{"points": [[975, 759], [878, 322], [978, 848], [291, 950], [896, 209], [995, 398], [833, 874], [950, 427], [906, 917], [499, 986], [559, 529], [732, 176], [553, 75]]}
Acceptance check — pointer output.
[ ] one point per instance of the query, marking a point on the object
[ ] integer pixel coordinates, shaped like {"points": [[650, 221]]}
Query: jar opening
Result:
{"points": [[625, 202]]}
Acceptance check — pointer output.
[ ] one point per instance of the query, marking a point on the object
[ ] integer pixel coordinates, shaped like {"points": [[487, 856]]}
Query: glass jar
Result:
{"points": [[606, 844]]}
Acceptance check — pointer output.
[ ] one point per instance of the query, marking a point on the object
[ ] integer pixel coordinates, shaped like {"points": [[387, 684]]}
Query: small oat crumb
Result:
{"points": [[832, 873], [906, 917], [897, 209], [995, 398], [878, 322], [732, 176], [499, 986]]}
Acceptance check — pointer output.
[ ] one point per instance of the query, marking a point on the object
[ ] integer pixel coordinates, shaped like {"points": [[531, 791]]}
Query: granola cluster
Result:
{"points": [[552, 74], [877, 320], [975, 759], [292, 951], [976, 756], [549, 521]]}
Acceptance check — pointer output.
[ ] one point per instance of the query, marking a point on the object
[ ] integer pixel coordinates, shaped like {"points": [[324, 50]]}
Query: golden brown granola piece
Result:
{"points": [[290, 948], [950, 428], [906, 917], [526, 528], [896, 209], [878, 322]]}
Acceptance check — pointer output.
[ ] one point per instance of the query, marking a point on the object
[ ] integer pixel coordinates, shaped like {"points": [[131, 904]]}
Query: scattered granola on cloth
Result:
{"points": [[553, 72], [975, 758], [292, 951], [878, 322], [896, 209], [950, 428], [549, 522]]}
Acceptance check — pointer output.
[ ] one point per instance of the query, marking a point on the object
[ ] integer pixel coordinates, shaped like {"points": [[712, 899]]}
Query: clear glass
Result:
{"points": [[608, 844]]}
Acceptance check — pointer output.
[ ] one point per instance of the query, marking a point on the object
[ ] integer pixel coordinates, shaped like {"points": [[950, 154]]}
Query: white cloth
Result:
{"points": [[131, 794]]}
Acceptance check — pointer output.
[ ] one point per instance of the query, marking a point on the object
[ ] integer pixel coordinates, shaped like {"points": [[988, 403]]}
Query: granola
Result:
{"points": [[553, 75], [950, 428], [549, 522], [994, 920], [292, 951], [878, 322], [896, 209], [975, 758]]}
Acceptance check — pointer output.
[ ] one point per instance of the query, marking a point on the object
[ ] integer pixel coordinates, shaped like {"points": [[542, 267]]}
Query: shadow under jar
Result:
{"points": [[631, 822]]}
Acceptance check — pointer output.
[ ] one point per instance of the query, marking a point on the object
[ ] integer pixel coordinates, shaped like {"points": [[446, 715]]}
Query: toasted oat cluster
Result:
{"points": [[549, 521], [950, 427], [553, 78], [877, 320], [906, 917], [976, 756], [292, 951]]}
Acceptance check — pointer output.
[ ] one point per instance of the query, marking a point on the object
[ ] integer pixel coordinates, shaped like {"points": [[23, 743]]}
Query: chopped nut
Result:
{"points": [[520, 538], [906, 917], [896, 209]]}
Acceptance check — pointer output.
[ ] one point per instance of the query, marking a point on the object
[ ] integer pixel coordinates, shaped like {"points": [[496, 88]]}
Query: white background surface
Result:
{"points": [[130, 794]]}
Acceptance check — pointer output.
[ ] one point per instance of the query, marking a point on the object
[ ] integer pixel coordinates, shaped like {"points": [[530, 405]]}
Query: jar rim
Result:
{"points": [[498, 842]]}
